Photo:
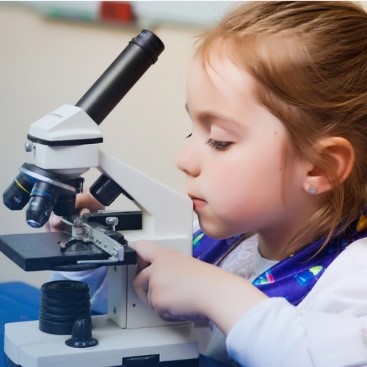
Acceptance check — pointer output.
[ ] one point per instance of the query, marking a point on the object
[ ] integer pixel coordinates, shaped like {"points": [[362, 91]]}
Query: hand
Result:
{"points": [[84, 203], [167, 281], [178, 286]]}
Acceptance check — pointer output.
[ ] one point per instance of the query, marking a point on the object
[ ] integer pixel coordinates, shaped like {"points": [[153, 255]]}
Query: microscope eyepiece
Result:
{"points": [[102, 97], [150, 43]]}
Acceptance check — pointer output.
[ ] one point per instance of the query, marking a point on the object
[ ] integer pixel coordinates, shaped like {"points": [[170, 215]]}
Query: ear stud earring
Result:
{"points": [[312, 189]]}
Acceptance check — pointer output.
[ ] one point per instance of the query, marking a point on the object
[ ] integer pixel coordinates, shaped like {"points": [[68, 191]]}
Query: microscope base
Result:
{"points": [[27, 346]]}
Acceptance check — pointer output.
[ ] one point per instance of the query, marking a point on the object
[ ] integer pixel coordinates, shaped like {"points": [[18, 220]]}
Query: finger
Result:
{"points": [[87, 200], [141, 264], [55, 224], [147, 251], [84, 211], [141, 285]]}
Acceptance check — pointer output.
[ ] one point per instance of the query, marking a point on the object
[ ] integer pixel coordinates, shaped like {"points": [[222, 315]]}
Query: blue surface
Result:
{"points": [[20, 302]]}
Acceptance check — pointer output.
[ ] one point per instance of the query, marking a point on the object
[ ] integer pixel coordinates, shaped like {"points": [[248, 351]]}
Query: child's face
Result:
{"points": [[235, 158]]}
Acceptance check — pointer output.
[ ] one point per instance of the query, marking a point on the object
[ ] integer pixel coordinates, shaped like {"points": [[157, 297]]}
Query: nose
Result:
{"points": [[188, 161]]}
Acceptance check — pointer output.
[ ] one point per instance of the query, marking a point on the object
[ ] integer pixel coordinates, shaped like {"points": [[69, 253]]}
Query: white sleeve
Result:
{"points": [[278, 334], [328, 329], [97, 282]]}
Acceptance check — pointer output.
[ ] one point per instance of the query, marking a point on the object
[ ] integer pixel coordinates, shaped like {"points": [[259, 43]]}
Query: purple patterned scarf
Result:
{"points": [[293, 277]]}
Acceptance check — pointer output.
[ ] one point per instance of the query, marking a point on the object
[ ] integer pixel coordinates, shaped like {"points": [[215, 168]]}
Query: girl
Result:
{"points": [[276, 168], [277, 94]]}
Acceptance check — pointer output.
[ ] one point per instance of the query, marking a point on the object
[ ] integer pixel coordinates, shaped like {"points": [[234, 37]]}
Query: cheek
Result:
{"points": [[246, 190]]}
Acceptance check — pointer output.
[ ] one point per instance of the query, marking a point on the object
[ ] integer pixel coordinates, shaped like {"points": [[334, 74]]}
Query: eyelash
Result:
{"points": [[216, 144], [219, 145]]}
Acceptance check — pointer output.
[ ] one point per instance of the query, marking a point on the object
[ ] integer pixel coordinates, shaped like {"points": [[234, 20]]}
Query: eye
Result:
{"points": [[189, 136], [219, 145]]}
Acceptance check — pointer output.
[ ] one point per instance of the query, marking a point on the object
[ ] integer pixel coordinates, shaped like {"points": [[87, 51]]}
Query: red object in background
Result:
{"points": [[116, 11]]}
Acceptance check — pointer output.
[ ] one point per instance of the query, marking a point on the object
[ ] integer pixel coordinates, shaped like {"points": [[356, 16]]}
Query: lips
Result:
{"points": [[198, 202]]}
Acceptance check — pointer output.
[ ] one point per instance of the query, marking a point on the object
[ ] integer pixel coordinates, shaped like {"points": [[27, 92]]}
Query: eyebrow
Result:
{"points": [[202, 115]]}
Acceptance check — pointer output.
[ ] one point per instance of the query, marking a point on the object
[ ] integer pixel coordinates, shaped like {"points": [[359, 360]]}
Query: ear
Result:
{"points": [[339, 155]]}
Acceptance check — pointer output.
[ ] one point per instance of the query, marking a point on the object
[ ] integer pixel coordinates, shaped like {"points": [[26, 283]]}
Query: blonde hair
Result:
{"points": [[309, 61]]}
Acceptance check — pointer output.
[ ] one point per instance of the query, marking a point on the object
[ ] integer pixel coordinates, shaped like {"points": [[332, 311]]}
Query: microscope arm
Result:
{"points": [[166, 214]]}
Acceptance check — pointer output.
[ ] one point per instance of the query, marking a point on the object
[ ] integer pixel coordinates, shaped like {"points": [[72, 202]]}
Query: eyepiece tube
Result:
{"points": [[141, 52]]}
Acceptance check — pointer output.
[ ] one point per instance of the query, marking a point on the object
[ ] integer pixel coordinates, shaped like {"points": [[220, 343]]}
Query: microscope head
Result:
{"points": [[65, 143]]}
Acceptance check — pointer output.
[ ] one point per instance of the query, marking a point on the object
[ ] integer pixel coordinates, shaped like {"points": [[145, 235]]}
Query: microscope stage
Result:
{"points": [[42, 251]]}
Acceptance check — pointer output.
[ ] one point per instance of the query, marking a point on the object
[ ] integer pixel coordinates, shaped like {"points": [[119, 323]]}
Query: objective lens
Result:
{"points": [[16, 196], [65, 205], [42, 201], [105, 190]]}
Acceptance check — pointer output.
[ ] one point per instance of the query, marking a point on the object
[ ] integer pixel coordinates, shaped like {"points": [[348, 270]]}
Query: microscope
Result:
{"points": [[64, 145]]}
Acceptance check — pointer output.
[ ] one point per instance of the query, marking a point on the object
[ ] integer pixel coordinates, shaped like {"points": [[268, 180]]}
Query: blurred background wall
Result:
{"points": [[52, 52]]}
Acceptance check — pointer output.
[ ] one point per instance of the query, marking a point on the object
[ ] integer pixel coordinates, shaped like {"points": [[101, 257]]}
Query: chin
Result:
{"points": [[213, 230]]}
